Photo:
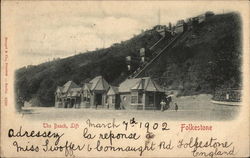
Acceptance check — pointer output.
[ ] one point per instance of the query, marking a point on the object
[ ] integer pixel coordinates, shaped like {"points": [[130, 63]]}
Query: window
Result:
{"points": [[86, 96], [133, 99]]}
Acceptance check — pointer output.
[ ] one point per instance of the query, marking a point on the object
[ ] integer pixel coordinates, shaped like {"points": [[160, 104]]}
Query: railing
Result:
{"points": [[160, 45], [229, 95], [152, 47], [140, 70]]}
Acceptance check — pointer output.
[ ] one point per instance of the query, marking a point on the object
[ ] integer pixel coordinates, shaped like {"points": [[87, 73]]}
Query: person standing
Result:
{"points": [[176, 107], [168, 101], [163, 104]]}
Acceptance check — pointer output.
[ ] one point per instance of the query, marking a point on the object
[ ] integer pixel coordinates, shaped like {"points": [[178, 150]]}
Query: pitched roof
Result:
{"points": [[59, 89], [73, 92], [145, 83], [87, 86], [113, 90], [128, 84], [152, 86], [67, 86], [139, 85], [99, 83]]}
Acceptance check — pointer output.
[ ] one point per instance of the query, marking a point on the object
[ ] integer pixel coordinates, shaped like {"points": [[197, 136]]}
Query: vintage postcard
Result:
{"points": [[125, 79]]}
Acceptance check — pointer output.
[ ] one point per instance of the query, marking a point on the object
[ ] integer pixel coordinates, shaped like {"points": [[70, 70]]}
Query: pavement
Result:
{"points": [[199, 108]]}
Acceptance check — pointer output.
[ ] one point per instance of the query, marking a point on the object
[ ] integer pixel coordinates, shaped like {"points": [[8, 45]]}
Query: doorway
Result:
{"points": [[72, 103], [98, 99]]}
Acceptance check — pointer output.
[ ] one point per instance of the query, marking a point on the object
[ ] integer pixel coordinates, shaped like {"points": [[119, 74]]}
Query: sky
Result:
{"points": [[45, 30]]}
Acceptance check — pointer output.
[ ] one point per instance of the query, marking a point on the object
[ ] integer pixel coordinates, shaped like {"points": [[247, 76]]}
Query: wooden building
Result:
{"points": [[140, 93], [86, 95], [68, 95], [137, 93], [113, 99], [180, 27], [161, 29], [94, 93]]}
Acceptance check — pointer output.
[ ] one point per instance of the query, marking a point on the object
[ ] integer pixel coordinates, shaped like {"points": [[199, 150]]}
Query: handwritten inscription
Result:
{"points": [[102, 125], [27, 134], [216, 147], [155, 126], [108, 139]]}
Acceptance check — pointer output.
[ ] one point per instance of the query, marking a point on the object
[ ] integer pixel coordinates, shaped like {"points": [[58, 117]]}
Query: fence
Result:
{"points": [[230, 95]]}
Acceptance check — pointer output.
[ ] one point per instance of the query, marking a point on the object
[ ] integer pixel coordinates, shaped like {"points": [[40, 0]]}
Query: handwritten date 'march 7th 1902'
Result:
{"points": [[132, 123]]}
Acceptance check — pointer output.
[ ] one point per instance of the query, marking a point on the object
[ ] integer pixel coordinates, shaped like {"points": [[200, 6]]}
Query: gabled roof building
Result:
{"points": [[113, 98], [137, 93], [140, 93], [68, 95], [94, 93]]}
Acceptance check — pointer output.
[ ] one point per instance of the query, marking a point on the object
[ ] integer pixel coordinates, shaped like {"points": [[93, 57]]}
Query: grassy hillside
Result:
{"points": [[209, 57]]}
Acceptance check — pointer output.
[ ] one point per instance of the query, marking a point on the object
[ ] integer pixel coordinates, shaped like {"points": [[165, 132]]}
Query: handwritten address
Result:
{"points": [[110, 140]]}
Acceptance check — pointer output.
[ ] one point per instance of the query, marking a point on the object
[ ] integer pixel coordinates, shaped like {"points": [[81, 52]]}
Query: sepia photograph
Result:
{"points": [[124, 79], [169, 65]]}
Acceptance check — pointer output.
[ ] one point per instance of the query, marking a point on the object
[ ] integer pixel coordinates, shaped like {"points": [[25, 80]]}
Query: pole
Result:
{"points": [[154, 101]]}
